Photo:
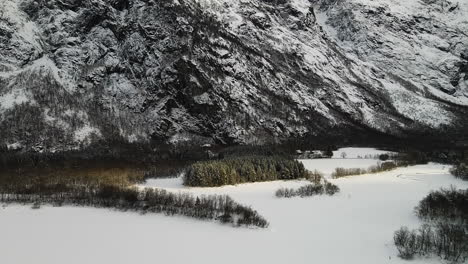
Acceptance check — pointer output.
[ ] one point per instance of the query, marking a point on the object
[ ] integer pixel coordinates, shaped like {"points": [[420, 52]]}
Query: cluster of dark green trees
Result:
{"points": [[445, 233], [243, 169], [216, 207], [308, 190]]}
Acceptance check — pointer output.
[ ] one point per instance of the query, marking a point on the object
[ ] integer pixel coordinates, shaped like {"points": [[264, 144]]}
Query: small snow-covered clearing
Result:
{"points": [[354, 153], [361, 158], [327, 166], [354, 226]]}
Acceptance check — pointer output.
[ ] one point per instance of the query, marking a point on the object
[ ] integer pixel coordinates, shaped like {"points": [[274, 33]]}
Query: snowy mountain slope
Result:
{"points": [[420, 46], [239, 71]]}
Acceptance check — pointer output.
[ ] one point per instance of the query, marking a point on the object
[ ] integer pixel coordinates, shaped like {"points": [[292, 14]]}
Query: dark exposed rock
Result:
{"points": [[73, 72]]}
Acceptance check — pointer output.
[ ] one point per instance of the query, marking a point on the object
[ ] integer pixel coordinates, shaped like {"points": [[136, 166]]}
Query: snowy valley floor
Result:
{"points": [[354, 227]]}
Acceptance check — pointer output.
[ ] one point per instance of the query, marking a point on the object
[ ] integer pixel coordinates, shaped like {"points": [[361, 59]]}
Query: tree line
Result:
{"points": [[243, 169], [213, 207], [381, 167]]}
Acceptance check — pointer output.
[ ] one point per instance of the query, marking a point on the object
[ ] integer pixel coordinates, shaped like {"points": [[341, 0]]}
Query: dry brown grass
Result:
{"points": [[385, 166], [115, 176]]}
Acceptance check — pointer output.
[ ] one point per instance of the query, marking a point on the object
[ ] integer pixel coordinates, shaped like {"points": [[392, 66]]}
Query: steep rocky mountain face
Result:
{"points": [[238, 71]]}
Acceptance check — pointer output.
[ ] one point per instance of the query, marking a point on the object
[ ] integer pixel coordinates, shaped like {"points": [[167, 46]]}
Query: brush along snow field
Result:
{"points": [[354, 226], [349, 158]]}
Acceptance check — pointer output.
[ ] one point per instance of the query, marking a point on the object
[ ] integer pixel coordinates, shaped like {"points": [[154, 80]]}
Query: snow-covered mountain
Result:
{"points": [[230, 71]]}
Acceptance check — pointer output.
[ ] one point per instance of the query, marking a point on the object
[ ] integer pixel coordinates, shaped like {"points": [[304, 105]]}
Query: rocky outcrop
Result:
{"points": [[76, 72]]}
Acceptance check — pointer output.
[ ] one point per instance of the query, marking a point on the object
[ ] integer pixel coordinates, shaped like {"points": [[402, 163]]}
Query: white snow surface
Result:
{"points": [[354, 153], [361, 158], [84, 132], [328, 166], [355, 226], [13, 98]]}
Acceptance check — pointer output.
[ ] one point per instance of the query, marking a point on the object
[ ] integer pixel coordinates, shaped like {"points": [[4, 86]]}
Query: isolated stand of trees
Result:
{"points": [[460, 171], [216, 207], [308, 190], [244, 169], [445, 233]]}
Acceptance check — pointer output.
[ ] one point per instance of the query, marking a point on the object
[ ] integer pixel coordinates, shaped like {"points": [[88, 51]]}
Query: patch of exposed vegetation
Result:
{"points": [[460, 170], [308, 190], [318, 186], [445, 232], [381, 167]]}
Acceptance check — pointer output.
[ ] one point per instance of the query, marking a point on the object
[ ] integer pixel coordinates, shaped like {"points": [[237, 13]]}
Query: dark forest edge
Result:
{"points": [[149, 153]]}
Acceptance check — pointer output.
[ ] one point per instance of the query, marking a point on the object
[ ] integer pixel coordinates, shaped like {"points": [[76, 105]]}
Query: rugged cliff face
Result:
{"points": [[237, 71]]}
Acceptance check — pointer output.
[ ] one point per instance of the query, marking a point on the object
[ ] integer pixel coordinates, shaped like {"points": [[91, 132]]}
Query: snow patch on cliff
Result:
{"points": [[301, 5], [85, 132], [55, 121], [25, 30], [13, 98]]}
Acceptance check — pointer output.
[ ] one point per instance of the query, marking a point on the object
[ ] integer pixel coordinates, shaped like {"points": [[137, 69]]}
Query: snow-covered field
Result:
{"points": [[354, 227], [355, 153], [327, 166], [355, 158]]}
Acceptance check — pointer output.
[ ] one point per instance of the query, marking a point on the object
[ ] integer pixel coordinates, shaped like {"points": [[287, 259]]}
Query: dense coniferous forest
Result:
{"points": [[243, 169]]}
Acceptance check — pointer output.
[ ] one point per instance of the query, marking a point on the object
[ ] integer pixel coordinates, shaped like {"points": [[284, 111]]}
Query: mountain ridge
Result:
{"points": [[228, 72]]}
